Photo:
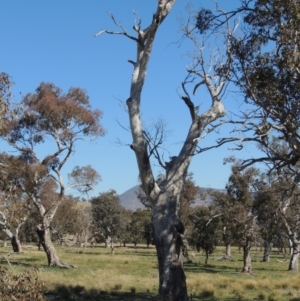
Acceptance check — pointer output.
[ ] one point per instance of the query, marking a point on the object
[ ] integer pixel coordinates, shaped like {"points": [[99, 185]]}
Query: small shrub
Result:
{"points": [[273, 297], [207, 291], [240, 295], [250, 285], [118, 287], [23, 286], [262, 296], [133, 290]]}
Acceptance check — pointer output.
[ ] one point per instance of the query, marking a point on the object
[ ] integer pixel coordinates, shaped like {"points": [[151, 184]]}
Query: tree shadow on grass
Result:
{"points": [[207, 268], [140, 254], [79, 293]]}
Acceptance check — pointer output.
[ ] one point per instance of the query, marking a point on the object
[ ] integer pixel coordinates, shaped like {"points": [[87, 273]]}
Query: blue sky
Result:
{"points": [[53, 41]]}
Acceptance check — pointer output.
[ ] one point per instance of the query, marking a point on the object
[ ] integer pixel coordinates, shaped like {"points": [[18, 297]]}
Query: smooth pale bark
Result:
{"points": [[43, 230], [293, 236], [14, 238], [168, 229], [228, 250], [293, 264], [4, 242]]}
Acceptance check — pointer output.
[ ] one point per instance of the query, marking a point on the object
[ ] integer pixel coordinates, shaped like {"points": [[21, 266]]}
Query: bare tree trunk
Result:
{"points": [[247, 259], [228, 250], [206, 257], [15, 243], [168, 229], [4, 242], [293, 264], [14, 240], [267, 251], [168, 241], [48, 247]]}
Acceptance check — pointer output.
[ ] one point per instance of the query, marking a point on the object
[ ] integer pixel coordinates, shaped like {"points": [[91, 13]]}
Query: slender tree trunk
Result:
{"points": [[247, 259], [293, 264], [4, 242], [14, 240], [15, 243], [169, 244], [267, 251], [48, 247], [206, 257], [228, 250]]}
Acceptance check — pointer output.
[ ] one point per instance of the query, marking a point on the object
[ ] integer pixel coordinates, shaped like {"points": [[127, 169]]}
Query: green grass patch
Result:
{"points": [[132, 274]]}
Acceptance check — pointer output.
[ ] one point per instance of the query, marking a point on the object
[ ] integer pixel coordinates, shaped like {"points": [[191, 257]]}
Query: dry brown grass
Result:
{"points": [[134, 271]]}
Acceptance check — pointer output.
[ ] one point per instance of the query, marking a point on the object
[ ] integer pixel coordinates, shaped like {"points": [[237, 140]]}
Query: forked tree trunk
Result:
{"points": [[168, 229]]}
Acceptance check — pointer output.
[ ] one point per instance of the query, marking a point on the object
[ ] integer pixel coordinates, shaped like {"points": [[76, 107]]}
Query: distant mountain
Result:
{"points": [[130, 201]]}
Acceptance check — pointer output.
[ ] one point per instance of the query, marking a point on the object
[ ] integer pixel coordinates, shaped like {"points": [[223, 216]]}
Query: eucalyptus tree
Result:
{"points": [[13, 214], [165, 198], [285, 187], [236, 204], [14, 205], [58, 120], [265, 206], [5, 98], [108, 216], [206, 232], [140, 227], [266, 73]]}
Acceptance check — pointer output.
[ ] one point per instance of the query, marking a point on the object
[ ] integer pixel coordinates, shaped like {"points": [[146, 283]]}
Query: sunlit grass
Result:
{"points": [[134, 272]]}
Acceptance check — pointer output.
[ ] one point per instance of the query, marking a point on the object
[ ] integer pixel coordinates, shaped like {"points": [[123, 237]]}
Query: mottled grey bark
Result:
{"points": [[294, 259], [16, 245], [168, 241], [247, 268], [168, 229], [228, 250], [43, 232], [267, 251]]}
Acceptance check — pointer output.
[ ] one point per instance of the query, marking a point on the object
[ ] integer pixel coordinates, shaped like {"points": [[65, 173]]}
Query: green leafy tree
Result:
{"points": [[236, 208], [265, 70], [265, 206], [14, 203], [108, 215], [206, 232], [140, 226]]}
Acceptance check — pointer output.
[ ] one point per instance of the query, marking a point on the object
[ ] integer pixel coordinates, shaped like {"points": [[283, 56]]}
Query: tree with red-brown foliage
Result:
{"points": [[58, 120]]}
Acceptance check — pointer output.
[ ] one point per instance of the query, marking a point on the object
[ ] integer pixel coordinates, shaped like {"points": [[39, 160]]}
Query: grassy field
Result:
{"points": [[131, 274]]}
